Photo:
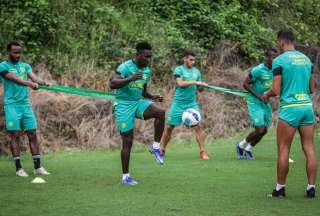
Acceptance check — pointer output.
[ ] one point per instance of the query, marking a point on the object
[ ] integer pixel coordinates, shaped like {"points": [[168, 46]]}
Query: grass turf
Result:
{"points": [[87, 183]]}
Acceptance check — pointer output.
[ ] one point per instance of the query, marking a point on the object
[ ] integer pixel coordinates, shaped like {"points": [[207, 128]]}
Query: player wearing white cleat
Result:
{"points": [[41, 171], [22, 173]]}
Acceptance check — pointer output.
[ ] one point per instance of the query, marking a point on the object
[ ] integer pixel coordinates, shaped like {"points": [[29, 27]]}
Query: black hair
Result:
{"points": [[11, 44], [143, 46], [286, 35], [270, 51], [189, 53]]}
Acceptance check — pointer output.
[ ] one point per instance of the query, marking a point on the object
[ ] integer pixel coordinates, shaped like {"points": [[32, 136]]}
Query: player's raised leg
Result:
{"points": [[158, 114], [307, 134]]}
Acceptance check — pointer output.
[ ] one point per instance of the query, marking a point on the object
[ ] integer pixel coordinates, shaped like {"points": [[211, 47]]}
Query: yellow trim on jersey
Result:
{"points": [[296, 105]]}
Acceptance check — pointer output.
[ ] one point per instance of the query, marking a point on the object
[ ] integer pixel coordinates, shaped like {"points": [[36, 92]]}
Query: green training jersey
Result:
{"points": [[295, 69], [133, 90], [186, 94], [13, 92], [262, 78]]}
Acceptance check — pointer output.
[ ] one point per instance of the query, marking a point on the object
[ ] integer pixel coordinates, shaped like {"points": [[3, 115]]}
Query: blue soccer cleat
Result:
{"points": [[157, 154], [249, 155], [129, 181], [239, 152]]}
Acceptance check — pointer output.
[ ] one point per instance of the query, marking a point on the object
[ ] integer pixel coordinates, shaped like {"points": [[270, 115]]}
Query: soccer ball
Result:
{"points": [[191, 118]]}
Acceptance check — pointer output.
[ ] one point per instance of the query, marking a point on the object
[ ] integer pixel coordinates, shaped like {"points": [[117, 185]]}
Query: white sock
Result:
{"points": [[310, 186], [279, 187], [125, 175], [243, 144], [248, 147], [156, 145]]}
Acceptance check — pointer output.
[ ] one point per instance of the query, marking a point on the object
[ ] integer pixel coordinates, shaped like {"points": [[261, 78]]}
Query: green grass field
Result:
{"points": [[87, 183]]}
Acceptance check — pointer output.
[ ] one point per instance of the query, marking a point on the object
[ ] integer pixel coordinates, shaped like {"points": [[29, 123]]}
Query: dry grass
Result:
{"points": [[72, 121]]}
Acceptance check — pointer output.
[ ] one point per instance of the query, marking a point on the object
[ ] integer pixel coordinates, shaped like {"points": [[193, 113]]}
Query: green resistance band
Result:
{"points": [[111, 96], [79, 91], [230, 91]]}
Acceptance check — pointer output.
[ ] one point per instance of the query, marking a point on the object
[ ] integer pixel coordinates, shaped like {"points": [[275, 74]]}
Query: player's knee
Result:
{"points": [[262, 131]]}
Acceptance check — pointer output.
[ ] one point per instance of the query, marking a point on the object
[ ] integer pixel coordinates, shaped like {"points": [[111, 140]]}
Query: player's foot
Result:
{"points": [[311, 193], [129, 181], [41, 171], [249, 155], [157, 154], [204, 155], [239, 152], [22, 173], [279, 194]]}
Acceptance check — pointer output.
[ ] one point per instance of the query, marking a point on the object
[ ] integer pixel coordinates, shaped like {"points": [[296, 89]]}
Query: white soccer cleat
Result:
{"points": [[41, 171], [22, 173]]}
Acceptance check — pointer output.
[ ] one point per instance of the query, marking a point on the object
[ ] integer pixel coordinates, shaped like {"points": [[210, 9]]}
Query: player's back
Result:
{"points": [[295, 69]]}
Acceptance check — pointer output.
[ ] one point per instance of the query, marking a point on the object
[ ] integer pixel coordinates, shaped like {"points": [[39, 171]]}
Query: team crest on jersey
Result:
{"points": [[123, 125], [22, 69], [10, 124], [256, 119], [144, 77]]}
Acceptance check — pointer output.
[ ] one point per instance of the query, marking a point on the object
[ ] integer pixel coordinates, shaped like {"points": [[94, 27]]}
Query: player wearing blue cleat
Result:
{"points": [[240, 152], [249, 155], [127, 180], [157, 154]]}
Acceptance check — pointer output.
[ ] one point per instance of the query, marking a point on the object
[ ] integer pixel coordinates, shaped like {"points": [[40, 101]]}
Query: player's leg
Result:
{"points": [[306, 131], [29, 124], [35, 152], [148, 111], [127, 141], [285, 134], [174, 119], [252, 140], [200, 137], [124, 112], [159, 115], [257, 117], [12, 121], [254, 137], [166, 138], [15, 151]]}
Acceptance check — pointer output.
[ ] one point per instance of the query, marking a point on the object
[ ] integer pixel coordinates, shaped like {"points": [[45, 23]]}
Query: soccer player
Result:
{"points": [[17, 77], [131, 81], [188, 82], [257, 83], [294, 82]]}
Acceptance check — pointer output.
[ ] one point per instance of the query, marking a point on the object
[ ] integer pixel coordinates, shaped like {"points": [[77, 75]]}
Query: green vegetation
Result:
{"points": [[57, 31], [87, 183]]}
